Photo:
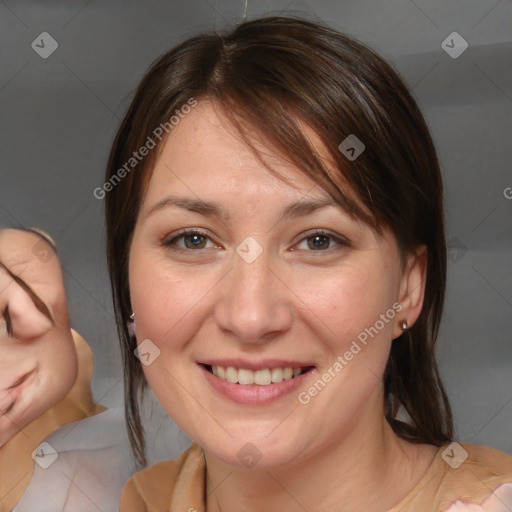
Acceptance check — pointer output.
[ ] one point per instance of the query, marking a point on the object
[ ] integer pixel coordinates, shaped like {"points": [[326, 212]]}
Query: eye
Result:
{"points": [[6, 319], [321, 241], [192, 239]]}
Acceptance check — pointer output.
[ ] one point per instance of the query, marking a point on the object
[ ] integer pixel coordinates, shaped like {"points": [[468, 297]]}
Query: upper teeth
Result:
{"points": [[261, 377]]}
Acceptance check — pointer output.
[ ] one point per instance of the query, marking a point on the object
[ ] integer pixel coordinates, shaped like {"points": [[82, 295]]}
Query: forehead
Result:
{"points": [[205, 154], [20, 247]]}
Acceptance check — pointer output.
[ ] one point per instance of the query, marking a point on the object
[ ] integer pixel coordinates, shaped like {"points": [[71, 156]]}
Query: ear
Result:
{"points": [[411, 288]]}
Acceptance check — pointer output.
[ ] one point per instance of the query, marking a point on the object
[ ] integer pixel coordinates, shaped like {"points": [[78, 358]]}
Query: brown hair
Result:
{"points": [[269, 77]]}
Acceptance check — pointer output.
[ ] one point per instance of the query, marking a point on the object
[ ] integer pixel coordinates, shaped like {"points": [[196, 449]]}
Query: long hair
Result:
{"points": [[269, 77]]}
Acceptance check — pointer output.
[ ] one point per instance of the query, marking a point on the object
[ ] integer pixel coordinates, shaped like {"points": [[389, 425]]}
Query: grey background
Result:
{"points": [[59, 116]]}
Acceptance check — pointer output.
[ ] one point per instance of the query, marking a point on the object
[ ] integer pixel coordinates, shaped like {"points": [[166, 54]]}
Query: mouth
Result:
{"points": [[15, 391], [259, 377], [20, 381], [4, 410], [259, 385]]}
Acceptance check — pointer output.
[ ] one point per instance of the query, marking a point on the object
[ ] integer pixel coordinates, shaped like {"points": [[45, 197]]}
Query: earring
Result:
{"points": [[131, 325], [404, 325]]}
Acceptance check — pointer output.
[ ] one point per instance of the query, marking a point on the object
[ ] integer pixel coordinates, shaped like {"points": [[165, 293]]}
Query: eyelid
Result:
{"points": [[339, 239], [38, 302], [25, 314], [170, 240]]}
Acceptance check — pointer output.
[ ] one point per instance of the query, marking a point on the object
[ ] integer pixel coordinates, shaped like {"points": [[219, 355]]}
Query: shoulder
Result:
{"points": [[464, 473], [472, 473], [92, 454], [485, 460], [154, 488]]}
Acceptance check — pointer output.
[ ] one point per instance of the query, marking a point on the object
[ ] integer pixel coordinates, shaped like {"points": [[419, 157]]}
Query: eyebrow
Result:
{"points": [[209, 209], [212, 209]]}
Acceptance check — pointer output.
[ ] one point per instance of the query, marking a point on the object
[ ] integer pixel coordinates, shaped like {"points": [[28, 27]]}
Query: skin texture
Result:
{"points": [[292, 303], [39, 343]]}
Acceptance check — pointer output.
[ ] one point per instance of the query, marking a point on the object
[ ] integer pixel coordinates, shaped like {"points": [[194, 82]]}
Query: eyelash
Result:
{"points": [[338, 240], [171, 243], [182, 234]]}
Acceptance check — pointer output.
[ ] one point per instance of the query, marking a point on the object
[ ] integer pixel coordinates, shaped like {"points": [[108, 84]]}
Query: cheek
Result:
{"points": [[353, 315], [166, 301], [344, 313], [344, 303], [58, 366]]}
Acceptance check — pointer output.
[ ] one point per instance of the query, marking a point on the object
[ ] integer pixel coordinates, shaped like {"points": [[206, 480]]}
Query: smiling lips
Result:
{"points": [[249, 393], [255, 384]]}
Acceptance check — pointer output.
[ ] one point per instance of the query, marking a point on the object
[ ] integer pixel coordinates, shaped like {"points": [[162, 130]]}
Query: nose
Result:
{"points": [[254, 306]]}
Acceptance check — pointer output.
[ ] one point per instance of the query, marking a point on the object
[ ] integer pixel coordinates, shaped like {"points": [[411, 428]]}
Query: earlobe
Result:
{"points": [[131, 325], [412, 289]]}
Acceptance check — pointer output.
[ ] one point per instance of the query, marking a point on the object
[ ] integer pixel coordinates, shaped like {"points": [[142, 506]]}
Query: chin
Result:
{"points": [[253, 452]]}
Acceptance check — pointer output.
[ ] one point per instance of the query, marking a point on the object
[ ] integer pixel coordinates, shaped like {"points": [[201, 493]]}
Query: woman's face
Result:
{"points": [[38, 362], [232, 267]]}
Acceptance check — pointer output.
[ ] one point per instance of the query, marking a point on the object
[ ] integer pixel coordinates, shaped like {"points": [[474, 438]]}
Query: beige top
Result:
{"points": [[179, 486]]}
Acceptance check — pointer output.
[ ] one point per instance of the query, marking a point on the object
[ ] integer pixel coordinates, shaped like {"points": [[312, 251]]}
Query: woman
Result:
{"points": [[59, 450], [277, 255]]}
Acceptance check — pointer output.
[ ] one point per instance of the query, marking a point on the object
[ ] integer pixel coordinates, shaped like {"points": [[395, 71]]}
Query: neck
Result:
{"points": [[368, 468]]}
